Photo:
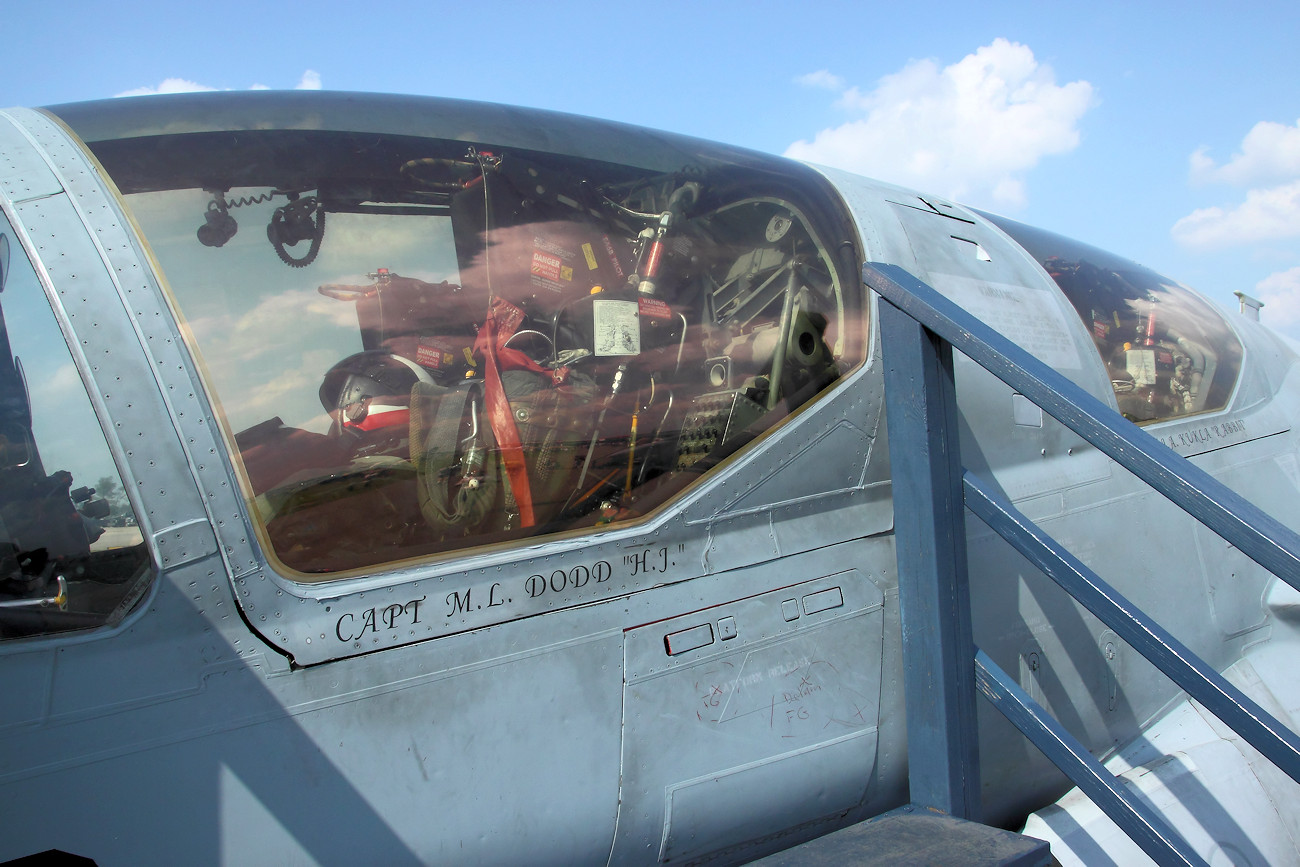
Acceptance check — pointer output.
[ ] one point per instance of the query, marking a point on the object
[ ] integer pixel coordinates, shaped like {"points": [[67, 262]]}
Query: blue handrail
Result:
{"points": [[919, 329]]}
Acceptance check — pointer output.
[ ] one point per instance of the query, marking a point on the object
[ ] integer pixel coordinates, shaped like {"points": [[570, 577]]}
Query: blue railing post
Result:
{"points": [[929, 530], [930, 537]]}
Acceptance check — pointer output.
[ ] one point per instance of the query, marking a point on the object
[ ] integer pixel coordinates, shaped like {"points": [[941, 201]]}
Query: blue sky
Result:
{"points": [[1169, 133]]}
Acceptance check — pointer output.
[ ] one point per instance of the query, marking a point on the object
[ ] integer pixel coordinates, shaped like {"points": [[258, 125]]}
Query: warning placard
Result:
{"points": [[617, 327]]}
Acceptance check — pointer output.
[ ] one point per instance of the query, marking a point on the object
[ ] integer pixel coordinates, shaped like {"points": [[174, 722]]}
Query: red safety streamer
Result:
{"points": [[502, 420]]}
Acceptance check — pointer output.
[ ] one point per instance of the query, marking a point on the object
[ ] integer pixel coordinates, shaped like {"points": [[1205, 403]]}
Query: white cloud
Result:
{"points": [[823, 79], [60, 385], [269, 360], [1270, 152], [970, 130], [1265, 215], [1280, 293], [310, 81], [1267, 165], [169, 85], [261, 330]]}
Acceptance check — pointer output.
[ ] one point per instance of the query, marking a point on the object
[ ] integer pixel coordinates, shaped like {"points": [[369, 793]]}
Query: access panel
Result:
{"points": [[733, 713]]}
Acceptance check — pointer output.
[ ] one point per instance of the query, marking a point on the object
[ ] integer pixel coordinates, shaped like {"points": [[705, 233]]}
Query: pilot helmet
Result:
{"points": [[371, 391]]}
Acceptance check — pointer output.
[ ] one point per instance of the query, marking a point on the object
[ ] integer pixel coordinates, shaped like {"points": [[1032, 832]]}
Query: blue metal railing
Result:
{"points": [[919, 329]]}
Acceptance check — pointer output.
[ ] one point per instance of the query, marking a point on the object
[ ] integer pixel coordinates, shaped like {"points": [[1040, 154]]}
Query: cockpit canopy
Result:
{"points": [[422, 341], [1168, 352]]}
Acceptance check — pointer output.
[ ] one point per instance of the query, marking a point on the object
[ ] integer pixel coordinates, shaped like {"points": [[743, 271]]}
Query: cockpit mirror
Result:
{"points": [[16, 446], [4, 260]]}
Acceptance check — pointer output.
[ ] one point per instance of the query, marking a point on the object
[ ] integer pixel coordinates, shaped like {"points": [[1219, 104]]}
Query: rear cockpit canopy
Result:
{"points": [[1168, 352]]}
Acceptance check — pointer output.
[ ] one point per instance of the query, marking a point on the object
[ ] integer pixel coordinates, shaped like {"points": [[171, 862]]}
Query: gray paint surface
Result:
{"points": [[559, 730]]}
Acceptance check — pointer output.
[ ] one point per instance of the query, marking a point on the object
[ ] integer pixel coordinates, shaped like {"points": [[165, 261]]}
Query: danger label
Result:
{"points": [[654, 308], [546, 266], [435, 354]]}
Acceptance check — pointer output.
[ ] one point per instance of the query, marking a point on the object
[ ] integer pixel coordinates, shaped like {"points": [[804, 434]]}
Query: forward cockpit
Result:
{"points": [[421, 345]]}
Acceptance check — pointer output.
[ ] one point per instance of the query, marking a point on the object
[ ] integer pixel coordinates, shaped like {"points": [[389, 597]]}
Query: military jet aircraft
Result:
{"points": [[395, 480]]}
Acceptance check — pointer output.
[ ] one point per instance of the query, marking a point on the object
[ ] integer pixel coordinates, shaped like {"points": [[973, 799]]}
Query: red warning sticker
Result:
{"points": [[654, 308], [546, 266], [434, 353]]}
